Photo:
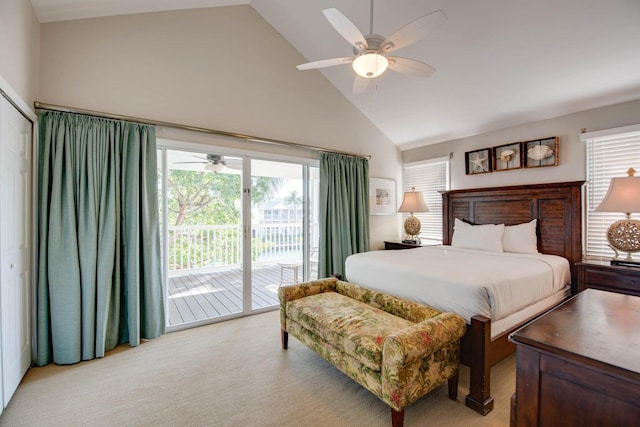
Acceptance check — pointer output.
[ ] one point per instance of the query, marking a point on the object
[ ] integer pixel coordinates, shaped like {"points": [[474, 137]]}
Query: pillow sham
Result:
{"points": [[521, 238], [487, 237]]}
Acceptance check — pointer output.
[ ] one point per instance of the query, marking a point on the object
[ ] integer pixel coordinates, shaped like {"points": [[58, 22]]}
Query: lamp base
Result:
{"points": [[624, 235], [414, 242], [412, 226]]}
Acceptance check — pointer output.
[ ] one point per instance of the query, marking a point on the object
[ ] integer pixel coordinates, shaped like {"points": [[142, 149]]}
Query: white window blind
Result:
{"points": [[430, 177], [610, 154]]}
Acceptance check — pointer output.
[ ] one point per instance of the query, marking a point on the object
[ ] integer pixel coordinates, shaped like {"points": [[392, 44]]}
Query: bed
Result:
{"points": [[556, 209]]}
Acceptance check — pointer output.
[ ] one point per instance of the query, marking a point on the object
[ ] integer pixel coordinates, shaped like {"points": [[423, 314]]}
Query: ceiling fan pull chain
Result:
{"points": [[371, 19]]}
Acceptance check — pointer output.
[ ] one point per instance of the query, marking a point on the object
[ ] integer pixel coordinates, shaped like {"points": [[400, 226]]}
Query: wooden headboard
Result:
{"points": [[556, 206]]}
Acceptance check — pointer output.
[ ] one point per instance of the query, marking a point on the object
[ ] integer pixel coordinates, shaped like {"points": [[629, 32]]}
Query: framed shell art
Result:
{"points": [[382, 196], [478, 161], [541, 152], [508, 156]]}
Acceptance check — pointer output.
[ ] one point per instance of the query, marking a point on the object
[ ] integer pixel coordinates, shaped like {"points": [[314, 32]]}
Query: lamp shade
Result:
{"points": [[623, 195], [370, 65], [413, 201]]}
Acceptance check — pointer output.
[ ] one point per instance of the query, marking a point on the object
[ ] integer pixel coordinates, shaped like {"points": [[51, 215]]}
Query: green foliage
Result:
{"points": [[263, 188], [293, 199], [195, 197], [203, 198], [211, 199]]}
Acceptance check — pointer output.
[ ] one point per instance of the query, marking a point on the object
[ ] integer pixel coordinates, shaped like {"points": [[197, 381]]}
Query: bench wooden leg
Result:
{"points": [[453, 387], [284, 338], [397, 418]]}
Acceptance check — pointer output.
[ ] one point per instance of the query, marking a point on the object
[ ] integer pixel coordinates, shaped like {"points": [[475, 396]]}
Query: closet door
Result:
{"points": [[15, 247]]}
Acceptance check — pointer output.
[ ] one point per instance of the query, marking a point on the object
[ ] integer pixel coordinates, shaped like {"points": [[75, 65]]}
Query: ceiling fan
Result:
{"points": [[216, 163], [370, 52]]}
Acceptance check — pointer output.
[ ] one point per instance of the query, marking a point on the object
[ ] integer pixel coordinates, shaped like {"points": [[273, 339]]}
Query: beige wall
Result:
{"points": [[20, 48], [226, 68], [220, 68], [571, 165]]}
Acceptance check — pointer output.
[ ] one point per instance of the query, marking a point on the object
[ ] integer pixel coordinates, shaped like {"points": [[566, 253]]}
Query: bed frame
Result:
{"points": [[557, 207]]}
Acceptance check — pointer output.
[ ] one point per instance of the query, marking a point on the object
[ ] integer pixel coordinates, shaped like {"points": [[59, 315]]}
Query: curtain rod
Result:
{"points": [[42, 106]]}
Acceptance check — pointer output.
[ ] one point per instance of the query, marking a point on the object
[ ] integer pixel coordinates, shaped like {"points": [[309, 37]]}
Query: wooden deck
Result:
{"points": [[202, 296]]}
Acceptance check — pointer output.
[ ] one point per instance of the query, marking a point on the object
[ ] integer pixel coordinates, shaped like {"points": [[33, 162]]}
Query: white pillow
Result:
{"points": [[486, 237], [521, 238]]}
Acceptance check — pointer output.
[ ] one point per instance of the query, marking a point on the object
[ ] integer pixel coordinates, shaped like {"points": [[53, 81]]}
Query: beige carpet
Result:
{"points": [[228, 374]]}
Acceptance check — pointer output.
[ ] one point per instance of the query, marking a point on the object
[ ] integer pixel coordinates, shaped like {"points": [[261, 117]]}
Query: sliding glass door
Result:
{"points": [[235, 228], [203, 236], [282, 199]]}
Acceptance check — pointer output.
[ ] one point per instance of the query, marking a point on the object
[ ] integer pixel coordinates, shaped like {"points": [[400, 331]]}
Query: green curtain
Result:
{"points": [[344, 210], [99, 267]]}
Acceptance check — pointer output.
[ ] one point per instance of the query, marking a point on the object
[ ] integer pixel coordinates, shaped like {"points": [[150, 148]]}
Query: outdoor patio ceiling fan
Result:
{"points": [[216, 163], [370, 53]]}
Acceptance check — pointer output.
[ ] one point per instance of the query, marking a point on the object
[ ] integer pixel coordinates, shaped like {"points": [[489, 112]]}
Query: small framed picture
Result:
{"points": [[541, 152], [478, 161], [382, 196], [508, 156]]}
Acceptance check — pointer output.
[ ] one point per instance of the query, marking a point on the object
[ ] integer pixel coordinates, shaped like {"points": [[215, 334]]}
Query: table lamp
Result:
{"points": [[623, 196], [412, 202]]}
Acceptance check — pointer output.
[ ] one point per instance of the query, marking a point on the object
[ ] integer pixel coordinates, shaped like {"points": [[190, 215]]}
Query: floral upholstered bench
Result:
{"points": [[397, 349]]}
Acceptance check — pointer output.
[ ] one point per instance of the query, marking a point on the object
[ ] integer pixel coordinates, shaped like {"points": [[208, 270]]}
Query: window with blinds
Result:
{"points": [[610, 153], [430, 177]]}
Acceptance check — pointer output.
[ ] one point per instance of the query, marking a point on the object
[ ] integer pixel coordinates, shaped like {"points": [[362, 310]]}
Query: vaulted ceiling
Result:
{"points": [[499, 63]]}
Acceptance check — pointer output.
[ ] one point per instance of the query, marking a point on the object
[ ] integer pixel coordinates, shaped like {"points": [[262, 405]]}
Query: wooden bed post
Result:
{"points": [[479, 398]]}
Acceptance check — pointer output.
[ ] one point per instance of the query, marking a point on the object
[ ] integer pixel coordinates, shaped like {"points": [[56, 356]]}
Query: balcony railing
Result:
{"points": [[218, 247]]}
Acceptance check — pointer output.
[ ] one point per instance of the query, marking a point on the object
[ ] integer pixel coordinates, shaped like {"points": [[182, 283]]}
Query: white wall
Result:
{"points": [[19, 56], [219, 68], [571, 166], [20, 48]]}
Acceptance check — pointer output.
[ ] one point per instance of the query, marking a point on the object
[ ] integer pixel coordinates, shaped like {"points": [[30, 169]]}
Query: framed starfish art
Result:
{"points": [[478, 161]]}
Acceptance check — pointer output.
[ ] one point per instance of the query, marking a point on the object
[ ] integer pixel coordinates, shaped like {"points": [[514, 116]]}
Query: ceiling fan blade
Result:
{"points": [[345, 28], [233, 163], [414, 31], [360, 84], [325, 63], [411, 67], [176, 163]]}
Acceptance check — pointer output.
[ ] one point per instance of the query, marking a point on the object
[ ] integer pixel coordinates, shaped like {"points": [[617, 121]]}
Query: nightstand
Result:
{"points": [[607, 277], [398, 244]]}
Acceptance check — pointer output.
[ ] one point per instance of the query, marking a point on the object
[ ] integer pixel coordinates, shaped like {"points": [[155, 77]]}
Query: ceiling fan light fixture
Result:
{"points": [[370, 65], [214, 167]]}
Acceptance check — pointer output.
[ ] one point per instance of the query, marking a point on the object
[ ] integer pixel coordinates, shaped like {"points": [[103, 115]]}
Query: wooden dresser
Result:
{"points": [[579, 364]]}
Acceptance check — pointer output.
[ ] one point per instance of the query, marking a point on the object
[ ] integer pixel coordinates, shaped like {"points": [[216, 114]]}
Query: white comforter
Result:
{"points": [[464, 281]]}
